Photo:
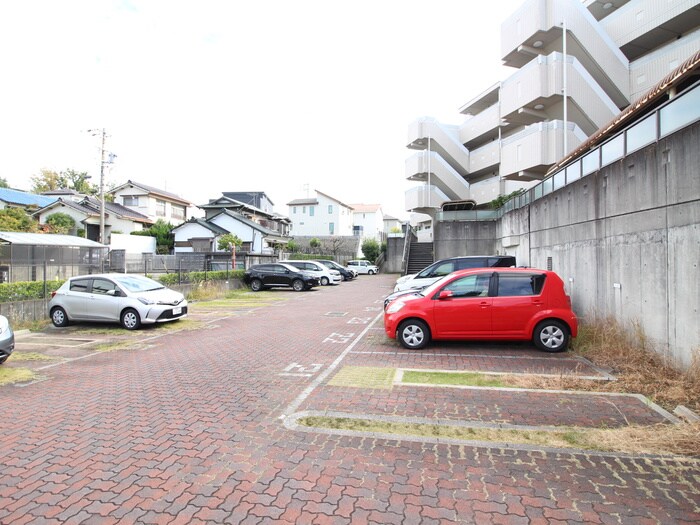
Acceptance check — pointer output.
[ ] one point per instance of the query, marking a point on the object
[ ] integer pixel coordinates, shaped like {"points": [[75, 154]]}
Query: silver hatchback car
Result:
{"points": [[131, 300], [7, 339]]}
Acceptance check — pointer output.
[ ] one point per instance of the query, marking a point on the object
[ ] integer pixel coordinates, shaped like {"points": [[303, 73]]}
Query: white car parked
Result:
{"points": [[364, 267], [326, 275]]}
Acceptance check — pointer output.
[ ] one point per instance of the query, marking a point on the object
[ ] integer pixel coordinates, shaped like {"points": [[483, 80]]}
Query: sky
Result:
{"points": [[199, 98]]}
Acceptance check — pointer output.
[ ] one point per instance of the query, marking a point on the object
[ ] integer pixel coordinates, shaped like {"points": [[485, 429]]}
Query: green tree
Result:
{"points": [[60, 222], [370, 249], [162, 231], [3, 183], [70, 179], [16, 220], [293, 247], [228, 241], [314, 243]]}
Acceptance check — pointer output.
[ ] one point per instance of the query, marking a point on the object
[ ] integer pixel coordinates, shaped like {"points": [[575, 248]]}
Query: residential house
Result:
{"points": [[86, 213], [203, 234], [152, 202], [577, 65], [321, 215], [391, 224], [248, 208], [10, 198], [368, 221]]}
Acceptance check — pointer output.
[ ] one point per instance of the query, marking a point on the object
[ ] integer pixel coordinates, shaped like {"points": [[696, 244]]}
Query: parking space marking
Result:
{"points": [[338, 338], [294, 405], [301, 371], [51, 341]]}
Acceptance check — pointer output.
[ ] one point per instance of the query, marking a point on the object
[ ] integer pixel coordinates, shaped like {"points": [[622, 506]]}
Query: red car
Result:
{"points": [[486, 304]]}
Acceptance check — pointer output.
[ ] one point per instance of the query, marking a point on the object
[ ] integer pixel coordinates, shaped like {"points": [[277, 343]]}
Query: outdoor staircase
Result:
{"points": [[420, 256]]}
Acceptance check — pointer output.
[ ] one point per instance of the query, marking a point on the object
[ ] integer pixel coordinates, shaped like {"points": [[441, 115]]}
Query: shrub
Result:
{"points": [[198, 277], [26, 291], [371, 249]]}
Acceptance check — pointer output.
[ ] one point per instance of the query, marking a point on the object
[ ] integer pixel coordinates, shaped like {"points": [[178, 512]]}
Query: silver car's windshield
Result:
{"points": [[137, 283]]}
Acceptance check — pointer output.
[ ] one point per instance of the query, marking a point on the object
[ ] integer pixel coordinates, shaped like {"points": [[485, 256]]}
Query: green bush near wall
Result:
{"points": [[26, 291], [310, 257], [198, 277]]}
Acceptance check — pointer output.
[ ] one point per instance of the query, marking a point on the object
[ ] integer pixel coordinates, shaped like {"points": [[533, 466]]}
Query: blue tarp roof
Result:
{"points": [[24, 199]]}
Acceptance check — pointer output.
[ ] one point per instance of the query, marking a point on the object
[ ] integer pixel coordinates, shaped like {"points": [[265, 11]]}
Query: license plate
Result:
{"points": [[177, 311]]}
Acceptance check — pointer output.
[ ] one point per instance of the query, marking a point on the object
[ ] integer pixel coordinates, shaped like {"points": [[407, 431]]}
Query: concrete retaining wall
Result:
{"points": [[625, 239]]}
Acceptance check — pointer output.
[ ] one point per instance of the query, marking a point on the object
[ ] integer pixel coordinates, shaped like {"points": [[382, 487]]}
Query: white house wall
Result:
{"points": [[318, 222], [241, 230], [147, 205]]}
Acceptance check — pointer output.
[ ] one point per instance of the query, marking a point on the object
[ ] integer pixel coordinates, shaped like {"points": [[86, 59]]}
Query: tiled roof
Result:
{"points": [[153, 190]]}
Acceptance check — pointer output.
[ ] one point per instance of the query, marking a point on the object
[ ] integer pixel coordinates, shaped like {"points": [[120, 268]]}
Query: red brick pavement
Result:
{"points": [[189, 431]]}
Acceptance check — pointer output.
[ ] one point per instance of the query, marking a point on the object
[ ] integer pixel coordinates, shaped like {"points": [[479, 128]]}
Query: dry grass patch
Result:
{"points": [[9, 376], [638, 368], [33, 356], [678, 440]]}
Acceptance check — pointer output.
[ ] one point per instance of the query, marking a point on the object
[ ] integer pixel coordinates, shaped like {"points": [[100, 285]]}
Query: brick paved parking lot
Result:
{"points": [[198, 426]]}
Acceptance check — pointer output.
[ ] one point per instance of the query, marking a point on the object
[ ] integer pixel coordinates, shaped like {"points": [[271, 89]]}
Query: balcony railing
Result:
{"points": [[677, 113]]}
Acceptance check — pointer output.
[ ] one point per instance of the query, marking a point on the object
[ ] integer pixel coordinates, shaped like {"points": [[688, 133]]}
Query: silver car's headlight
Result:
{"points": [[146, 300], [395, 307]]}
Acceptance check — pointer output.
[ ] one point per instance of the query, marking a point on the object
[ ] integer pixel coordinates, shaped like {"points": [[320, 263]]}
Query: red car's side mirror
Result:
{"points": [[445, 294]]}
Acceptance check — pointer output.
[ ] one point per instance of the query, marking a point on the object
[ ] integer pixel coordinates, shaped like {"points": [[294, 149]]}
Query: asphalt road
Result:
{"points": [[199, 423]]}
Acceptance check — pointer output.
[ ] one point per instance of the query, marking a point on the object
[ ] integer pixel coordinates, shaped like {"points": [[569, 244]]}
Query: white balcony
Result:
{"points": [[528, 154], [432, 168], [428, 134], [424, 199], [537, 28], [645, 72], [485, 158], [640, 26], [481, 127], [535, 93]]}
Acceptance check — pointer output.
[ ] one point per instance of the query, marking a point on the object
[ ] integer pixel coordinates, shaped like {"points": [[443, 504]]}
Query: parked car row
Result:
{"points": [[486, 303], [303, 275]]}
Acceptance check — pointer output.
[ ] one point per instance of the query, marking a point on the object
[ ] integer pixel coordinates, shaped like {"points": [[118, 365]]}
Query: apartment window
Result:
{"points": [[303, 209], [131, 200], [178, 212], [331, 228], [294, 210], [160, 208], [311, 211], [330, 209]]}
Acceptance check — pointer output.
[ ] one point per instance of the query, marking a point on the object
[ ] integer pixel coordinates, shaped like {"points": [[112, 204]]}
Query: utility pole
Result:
{"points": [[103, 133], [102, 188]]}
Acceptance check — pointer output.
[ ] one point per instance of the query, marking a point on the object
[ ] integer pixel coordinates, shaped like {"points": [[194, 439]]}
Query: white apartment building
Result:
{"points": [[578, 64], [320, 215]]}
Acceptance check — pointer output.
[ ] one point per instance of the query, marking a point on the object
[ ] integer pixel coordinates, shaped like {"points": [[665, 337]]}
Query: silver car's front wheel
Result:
{"points": [[130, 319]]}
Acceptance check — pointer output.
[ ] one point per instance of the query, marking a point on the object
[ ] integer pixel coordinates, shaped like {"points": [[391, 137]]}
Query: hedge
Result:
{"points": [[198, 277], [26, 291]]}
